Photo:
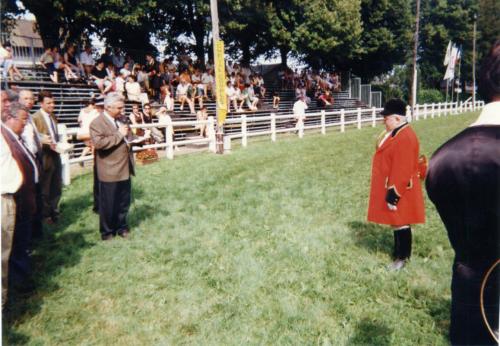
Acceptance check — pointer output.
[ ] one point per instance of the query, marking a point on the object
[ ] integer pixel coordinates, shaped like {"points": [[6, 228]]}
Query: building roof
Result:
{"points": [[24, 33]]}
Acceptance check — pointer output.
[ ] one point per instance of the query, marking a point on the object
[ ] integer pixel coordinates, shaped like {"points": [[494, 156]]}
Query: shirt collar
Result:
{"points": [[16, 136], [110, 118], [490, 115]]}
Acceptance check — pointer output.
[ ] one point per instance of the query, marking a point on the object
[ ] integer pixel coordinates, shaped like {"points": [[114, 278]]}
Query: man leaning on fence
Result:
{"points": [[115, 165]]}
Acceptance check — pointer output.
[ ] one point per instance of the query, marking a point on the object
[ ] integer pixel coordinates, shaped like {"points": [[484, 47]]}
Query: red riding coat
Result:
{"points": [[395, 165]]}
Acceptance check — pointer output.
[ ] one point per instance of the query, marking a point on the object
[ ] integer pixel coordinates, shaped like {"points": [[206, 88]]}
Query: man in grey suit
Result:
{"points": [[115, 164]]}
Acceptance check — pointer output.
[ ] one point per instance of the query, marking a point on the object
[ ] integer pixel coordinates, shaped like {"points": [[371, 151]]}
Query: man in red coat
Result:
{"points": [[396, 194]]}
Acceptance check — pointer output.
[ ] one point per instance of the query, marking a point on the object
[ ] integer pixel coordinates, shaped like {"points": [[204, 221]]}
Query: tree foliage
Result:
{"points": [[368, 37]]}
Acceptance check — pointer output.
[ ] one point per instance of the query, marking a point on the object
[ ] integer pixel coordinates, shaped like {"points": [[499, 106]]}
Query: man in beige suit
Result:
{"points": [[115, 165], [51, 177]]}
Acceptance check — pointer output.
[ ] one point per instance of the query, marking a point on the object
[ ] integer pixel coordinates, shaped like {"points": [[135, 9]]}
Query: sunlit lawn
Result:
{"points": [[267, 245]]}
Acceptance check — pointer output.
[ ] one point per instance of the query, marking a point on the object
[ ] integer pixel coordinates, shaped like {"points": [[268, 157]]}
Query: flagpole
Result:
{"points": [[415, 49], [474, 64], [459, 67]]}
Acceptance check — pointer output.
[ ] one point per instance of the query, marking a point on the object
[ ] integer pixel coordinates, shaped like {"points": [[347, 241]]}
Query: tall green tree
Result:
{"points": [[386, 39], [442, 21]]}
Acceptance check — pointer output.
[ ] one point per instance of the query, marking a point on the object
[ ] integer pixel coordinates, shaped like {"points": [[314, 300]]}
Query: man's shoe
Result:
{"points": [[124, 234], [396, 265], [107, 237]]}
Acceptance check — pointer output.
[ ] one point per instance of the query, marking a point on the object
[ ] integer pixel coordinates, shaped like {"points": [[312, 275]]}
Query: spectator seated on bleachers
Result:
{"points": [[87, 60], [202, 114], [184, 94], [166, 98], [7, 63], [134, 91], [60, 65], [100, 77], [208, 81], [47, 61], [325, 100], [232, 97], [250, 98], [276, 100], [73, 63]]}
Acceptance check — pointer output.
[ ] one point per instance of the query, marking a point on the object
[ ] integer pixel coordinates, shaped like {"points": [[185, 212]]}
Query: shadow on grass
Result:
{"points": [[370, 332], [371, 236], [439, 309]]}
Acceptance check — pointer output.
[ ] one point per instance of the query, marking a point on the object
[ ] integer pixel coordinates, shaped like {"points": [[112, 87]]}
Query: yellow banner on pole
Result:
{"points": [[220, 82]]}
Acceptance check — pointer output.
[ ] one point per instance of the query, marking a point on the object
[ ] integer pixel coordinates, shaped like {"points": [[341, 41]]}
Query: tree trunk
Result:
{"points": [[199, 50], [245, 48], [284, 56]]}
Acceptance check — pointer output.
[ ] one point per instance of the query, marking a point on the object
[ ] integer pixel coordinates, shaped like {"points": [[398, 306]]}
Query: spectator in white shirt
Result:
{"points": [[231, 97], [207, 79], [183, 95], [87, 60], [299, 112], [86, 116]]}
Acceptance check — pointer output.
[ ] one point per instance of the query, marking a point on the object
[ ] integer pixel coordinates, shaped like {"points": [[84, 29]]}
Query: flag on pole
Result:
{"points": [[450, 71], [448, 54]]}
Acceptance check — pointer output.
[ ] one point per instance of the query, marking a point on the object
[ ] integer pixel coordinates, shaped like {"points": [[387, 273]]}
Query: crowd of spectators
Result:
{"points": [[312, 86], [187, 82]]}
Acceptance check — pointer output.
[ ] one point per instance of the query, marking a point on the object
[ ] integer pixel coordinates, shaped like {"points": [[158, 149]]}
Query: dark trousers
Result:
{"points": [[37, 219], [20, 262], [96, 190], [467, 325], [51, 184], [114, 202], [402, 243]]}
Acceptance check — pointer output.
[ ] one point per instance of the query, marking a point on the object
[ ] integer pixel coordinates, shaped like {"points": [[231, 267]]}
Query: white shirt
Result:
{"points": [[207, 78], [182, 89], [28, 136], [87, 58], [27, 153], [299, 109], [490, 115], [85, 118], [49, 123], [11, 176]]}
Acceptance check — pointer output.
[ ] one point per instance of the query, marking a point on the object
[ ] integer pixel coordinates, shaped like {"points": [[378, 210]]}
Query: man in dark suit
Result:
{"points": [[464, 183], [115, 164], [51, 177]]}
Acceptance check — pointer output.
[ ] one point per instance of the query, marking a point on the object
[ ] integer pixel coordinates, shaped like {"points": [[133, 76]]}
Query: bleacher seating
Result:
{"points": [[70, 98]]}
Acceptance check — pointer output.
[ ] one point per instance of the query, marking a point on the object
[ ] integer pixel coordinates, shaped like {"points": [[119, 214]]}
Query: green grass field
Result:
{"points": [[268, 245]]}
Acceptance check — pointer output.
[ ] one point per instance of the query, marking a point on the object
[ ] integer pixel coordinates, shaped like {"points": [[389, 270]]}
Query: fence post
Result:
{"points": [[227, 144], [342, 120], [439, 109], [374, 117], [359, 118], [212, 145], [425, 111], [66, 172], [169, 135], [417, 112], [432, 110], [244, 139], [323, 122], [273, 127], [408, 114]]}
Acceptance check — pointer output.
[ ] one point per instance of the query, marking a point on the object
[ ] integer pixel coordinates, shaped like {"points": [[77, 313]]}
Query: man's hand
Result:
{"points": [[46, 139], [124, 130], [392, 207]]}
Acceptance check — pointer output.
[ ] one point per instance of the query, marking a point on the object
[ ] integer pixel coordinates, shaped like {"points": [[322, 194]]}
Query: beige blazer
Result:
{"points": [[48, 155], [113, 157]]}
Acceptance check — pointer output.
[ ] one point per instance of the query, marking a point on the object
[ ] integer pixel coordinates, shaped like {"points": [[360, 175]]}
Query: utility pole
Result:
{"points": [[474, 64], [215, 38], [413, 99]]}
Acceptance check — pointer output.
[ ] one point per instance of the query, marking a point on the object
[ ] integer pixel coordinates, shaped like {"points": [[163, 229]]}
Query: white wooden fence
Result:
{"points": [[271, 126]]}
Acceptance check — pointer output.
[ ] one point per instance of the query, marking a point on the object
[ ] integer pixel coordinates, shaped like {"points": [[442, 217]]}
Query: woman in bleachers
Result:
{"points": [[198, 87], [100, 77], [232, 97], [184, 93], [73, 62], [201, 115], [47, 61], [250, 97], [7, 63], [276, 100], [166, 98], [86, 116], [208, 81], [325, 100], [60, 65], [134, 91]]}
